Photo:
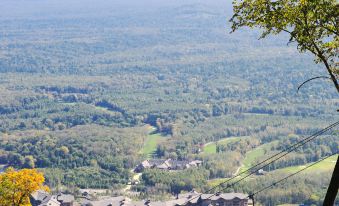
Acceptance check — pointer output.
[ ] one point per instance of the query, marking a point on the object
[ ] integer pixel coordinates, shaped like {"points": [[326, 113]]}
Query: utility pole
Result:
{"points": [[332, 190]]}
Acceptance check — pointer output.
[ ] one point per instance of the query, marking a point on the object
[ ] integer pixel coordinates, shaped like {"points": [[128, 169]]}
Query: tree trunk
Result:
{"points": [[328, 67], [332, 190], [334, 79]]}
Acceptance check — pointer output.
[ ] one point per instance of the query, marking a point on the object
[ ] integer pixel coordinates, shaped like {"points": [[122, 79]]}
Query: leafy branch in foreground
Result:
{"points": [[312, 24], [17, 186]]}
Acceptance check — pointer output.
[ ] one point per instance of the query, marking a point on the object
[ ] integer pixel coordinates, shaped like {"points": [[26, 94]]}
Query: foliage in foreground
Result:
{"points": [[313, 25], [17, 186]]}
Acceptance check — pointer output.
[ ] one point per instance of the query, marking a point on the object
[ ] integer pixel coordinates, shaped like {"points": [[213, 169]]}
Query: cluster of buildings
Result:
{"points": [[219, 199], [193, 198], [41, 198], [223, 199], [167, 164]]}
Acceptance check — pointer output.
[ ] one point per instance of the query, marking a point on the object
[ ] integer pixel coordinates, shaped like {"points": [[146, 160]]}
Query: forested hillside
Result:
{"points": [[81, 87]]}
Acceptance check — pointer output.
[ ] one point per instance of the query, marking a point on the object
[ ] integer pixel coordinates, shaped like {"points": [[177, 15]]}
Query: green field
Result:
{"points": [[151, 143], [217, 181], [211, 147], [103, 109], [325, 165], [252, 155]]}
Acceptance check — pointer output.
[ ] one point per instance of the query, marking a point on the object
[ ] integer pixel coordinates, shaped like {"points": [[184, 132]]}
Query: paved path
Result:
{"points": [[236, 172]]}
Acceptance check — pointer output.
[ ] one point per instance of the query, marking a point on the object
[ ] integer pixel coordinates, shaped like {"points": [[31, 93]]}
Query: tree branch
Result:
{"points": [[319, 77], [320, 53]]}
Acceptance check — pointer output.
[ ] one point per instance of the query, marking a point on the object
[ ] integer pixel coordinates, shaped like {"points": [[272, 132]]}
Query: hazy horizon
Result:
{"points": [[47, 8]]}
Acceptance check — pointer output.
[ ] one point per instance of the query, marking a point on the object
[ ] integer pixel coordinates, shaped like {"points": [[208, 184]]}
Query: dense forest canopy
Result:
{"points": [[89, 90]]}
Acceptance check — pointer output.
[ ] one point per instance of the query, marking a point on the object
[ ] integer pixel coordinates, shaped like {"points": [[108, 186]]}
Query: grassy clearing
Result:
{"points": [[151, 142], [69, 104], [249, 160], [211, 147], [252, 155], [230, 140], [217, 181], [322, 166], [101, 108]]}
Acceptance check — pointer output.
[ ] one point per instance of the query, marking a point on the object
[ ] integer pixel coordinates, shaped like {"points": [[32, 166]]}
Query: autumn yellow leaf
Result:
{"points": [[17, 186]]}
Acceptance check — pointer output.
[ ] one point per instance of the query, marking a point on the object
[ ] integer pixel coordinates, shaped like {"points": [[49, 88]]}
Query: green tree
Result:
{"points": [[177, 186], [312, 24], [29, 162]]}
